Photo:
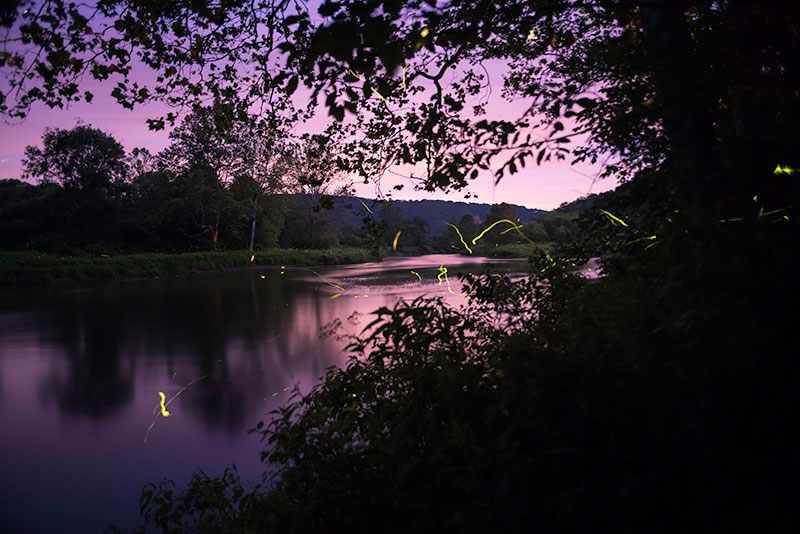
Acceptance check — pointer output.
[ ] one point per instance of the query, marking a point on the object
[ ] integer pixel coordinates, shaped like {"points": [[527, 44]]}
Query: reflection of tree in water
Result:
{"points": [[218, 402], [93, 384], [238, 332]]}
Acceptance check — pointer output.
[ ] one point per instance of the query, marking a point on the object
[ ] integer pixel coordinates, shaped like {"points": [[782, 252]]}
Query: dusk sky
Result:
{"points": [[543, 187]]}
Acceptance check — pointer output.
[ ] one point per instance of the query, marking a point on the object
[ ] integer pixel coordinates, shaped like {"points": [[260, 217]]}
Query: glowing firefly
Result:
{"points": [[784, 170], [371, 89], [163, 405], [614, 219], [377, 93], [461, 237], [164, 411], [394, 245], [424, 32], [514, 227]]}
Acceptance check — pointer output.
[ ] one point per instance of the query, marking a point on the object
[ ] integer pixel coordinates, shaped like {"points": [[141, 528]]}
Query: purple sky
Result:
{"points": [[543, 187]]}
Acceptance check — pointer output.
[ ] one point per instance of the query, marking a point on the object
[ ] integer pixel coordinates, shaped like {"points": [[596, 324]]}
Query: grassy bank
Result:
{"points": [[511, 250], [28, 268]]}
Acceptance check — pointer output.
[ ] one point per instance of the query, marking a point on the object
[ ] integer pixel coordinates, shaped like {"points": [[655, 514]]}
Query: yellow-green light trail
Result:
{"points": [[614, 219], [514, 227], [164, 411], [784, 170], [461, 237], [163, 405]]}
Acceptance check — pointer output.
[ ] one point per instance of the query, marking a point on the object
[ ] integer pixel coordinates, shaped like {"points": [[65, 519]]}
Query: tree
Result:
{"points": [[311, 175], [392, 218], [534, 230], [469, 226], [215, 144], [504, 232], [83, 158], [416, 238], [613, 69]]}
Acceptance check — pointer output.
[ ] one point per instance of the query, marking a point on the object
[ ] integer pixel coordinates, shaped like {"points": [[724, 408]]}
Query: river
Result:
{"points": [[82, 366]]}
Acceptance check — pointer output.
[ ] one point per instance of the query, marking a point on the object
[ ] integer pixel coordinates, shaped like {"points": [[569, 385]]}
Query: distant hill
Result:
{"points": [[579, 205], [435, 212]]}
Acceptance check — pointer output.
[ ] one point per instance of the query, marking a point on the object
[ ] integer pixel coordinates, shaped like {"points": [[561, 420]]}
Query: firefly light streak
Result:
{"points": [[394, 244], [784, 170], [164, 411], [614, 219], [362, 203], [514, 227], [373, 89], [461, 237], [163, 406], [443, 273]]}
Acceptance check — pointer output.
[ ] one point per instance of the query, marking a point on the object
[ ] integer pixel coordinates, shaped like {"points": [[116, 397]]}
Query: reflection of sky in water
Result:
{"points": [[81, 368]]}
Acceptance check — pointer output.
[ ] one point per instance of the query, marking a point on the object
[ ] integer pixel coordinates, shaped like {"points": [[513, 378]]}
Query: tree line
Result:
{"points": [[210, 190]]}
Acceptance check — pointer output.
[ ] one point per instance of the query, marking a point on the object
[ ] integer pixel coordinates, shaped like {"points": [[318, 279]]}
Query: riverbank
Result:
{"points": [[521, 250], [23, 268]]}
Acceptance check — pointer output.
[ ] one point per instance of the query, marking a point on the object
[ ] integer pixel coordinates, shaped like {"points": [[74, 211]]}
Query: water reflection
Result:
{"points": [[81, 368]]}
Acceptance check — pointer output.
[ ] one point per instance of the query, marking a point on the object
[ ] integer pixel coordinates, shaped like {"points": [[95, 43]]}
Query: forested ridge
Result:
{"points": [[659, 397], [94, 198]]}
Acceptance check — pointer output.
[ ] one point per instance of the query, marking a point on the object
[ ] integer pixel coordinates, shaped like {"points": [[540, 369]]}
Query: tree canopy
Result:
{"points": [[627, 83], [80, 158]]}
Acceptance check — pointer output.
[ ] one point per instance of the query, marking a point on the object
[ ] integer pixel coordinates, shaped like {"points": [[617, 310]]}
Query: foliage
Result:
{"points": [[614, 70], [82, 158]]}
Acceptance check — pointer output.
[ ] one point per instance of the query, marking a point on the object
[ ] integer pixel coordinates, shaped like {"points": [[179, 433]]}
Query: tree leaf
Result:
{"points": [[292, 85]]}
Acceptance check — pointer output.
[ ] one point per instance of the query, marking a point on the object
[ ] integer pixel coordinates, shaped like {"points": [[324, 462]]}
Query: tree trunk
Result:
{"points": [[253, 223], [215, 232]]}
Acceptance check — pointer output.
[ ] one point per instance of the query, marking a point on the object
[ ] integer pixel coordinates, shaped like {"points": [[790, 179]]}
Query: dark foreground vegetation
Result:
{"points": [[613, 405]]}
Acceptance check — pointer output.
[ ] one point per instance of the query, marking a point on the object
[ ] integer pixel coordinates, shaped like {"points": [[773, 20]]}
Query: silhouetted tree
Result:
{"points": [[82, 158]]}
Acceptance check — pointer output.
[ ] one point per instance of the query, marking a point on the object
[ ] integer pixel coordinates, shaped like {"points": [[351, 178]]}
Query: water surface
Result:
{"points": [[81, 367]]}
